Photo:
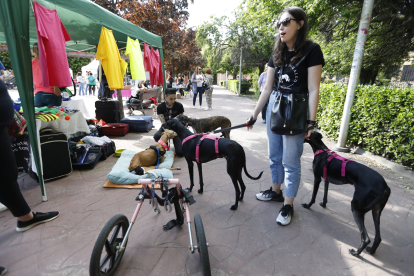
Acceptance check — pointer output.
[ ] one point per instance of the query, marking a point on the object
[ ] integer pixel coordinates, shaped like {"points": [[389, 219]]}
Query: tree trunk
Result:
{"points": [[121, 103], [368, 76], [235, 74]]}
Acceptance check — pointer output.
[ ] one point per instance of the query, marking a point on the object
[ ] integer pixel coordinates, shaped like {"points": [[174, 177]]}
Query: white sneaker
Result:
{"points": [[193, 106], [201, 107], [285, 215], [207, 108]]}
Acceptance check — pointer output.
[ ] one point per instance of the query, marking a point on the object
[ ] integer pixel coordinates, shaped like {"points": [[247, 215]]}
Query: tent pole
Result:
{"points": [[14, 16]]}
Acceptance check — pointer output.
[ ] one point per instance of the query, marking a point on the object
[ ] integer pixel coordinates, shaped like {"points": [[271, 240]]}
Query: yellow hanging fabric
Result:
{"points": [[124, 67], [111, 59], [135, 57]]}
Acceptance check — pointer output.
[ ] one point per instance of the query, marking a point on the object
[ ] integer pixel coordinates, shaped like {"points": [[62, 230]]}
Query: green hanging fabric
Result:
{"points": [[14, 17]]}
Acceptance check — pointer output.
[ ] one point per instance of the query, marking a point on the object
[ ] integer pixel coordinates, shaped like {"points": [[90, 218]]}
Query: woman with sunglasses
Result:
{"points": [[197, 79], [301, 63]]}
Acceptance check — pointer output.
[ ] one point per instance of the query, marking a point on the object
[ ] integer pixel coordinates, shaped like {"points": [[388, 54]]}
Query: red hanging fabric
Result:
{"points": [[154, 68], [160, 76], [147, 58], [51, 38]]}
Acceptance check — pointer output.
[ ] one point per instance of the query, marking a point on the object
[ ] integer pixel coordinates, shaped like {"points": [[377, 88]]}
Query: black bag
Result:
{"points": [[107, 150], [205, 86], [56, 160], [108, 110], [289, 114], [90, 158]]}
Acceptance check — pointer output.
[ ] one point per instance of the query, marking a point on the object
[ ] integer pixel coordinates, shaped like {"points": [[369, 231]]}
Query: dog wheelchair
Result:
{"points": [[112, 241]]}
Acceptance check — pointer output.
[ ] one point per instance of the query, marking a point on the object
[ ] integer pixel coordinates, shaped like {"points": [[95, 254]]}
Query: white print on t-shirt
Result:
{"points": [[285, 77], [290, 78]]}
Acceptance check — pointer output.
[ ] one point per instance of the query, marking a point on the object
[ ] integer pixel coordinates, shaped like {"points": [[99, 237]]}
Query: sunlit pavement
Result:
{"points": [[243, 242]]}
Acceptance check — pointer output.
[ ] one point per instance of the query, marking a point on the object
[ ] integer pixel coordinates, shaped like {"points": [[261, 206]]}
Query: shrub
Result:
{"points": [[382, 119], [233, 85]]}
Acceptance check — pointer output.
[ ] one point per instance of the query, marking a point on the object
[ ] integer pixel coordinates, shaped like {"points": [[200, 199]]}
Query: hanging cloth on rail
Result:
{"points": [[160, 77], [111, 59], [135, 57], [51, 38], [154, 75], [147, 58]]}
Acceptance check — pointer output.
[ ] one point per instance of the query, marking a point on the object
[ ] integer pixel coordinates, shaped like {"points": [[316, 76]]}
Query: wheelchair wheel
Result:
{"points": [[202, 245], [106, 257]]}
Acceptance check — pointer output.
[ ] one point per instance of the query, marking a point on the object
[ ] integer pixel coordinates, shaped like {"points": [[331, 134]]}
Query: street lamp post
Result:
{"points": [[355, 71], [240, 74]]}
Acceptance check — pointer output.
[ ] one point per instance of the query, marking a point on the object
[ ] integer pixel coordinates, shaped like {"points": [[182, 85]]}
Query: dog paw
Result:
{"points": [[200, 191], [307, 206], [353, 252], [233, 207], [372, 252], [322, 204]]}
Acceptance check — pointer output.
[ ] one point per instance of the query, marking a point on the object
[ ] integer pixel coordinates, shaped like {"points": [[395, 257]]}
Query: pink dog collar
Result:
{"points": [[163, 144]]}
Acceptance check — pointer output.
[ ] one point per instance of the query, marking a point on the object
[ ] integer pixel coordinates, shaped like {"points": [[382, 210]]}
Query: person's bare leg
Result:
{"points": [[288, 201], [27, 217], [276, 188]]}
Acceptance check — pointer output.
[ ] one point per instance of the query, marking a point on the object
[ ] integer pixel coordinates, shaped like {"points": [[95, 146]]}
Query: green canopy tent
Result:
{"points": [[83, 21]]}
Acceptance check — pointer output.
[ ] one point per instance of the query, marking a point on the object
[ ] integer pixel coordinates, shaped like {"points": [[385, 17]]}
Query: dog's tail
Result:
{"points": [[383, 193], [248, 175], [251, 177]]}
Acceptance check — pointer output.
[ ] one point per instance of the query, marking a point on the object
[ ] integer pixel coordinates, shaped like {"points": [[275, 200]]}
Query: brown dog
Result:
{"points": [[205, 125], [149, 157]]}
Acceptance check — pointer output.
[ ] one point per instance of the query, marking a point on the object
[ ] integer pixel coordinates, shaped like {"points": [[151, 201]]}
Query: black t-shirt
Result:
{"points": [[180, 80], [170, 113], [295, 77]]}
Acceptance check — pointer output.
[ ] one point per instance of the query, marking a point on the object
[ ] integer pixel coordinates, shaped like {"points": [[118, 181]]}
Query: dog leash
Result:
{"points": [[250, 123]]}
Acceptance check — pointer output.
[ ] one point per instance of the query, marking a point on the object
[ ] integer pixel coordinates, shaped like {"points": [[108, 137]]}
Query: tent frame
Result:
{"points": [[14, 23]]}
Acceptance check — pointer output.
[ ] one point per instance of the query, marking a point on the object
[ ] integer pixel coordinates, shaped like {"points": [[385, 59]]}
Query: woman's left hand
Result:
{"points": [[310, 131]]}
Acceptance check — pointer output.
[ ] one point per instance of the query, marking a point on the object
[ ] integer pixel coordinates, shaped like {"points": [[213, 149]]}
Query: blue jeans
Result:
{"points": [[284, 154], [82, 90], [47, 99], [200, 93]]}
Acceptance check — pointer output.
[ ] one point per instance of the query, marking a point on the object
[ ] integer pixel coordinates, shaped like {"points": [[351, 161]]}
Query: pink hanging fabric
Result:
{"points": [[147, 58], [154, 68], [51, 38], [160, 77]]}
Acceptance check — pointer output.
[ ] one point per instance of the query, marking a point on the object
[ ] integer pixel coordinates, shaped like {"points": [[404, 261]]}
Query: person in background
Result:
{"points": [[180, 81], [140, 89], [44, 96], [261, 84], [197, 78], [81, 81], [304, 76], [2, 71], [167, 110], [92, 84], [209, 92], [10, 194]]}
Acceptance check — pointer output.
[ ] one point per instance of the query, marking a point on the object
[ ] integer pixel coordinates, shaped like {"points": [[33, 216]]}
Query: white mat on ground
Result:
{"points": [[121, 175]]}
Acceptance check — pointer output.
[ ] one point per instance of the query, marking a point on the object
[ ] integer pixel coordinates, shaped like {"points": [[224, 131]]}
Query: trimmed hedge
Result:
{"points": [[233, 85], [382, 119]]}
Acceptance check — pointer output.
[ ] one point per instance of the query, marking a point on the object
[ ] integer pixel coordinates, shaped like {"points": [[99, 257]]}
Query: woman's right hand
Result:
{"points": [[250, 122]]}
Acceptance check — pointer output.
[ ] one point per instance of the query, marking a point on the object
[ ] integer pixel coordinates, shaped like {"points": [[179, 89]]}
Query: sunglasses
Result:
{"points": [[285, 22]]}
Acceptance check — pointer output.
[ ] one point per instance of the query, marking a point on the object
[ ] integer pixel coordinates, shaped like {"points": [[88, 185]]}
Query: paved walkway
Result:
{"points": [[243, 242]]}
